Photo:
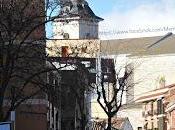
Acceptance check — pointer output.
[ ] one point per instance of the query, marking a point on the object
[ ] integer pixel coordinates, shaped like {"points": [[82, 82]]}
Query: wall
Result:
{"points": [[173, 120], [31, 117], [134, 115], [97, 111], [88, 29], [148, 71], [72, 28], [77, 48], [76, 28]]}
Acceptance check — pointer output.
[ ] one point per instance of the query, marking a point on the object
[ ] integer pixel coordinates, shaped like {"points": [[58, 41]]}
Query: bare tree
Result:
{"points": [[22, 51], [111, 89]]}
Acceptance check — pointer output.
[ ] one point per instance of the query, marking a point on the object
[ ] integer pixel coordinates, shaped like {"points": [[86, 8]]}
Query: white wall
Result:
{"points": [[148, 70], [134, 115], [77, 29], [96, 110], [72, 28]]}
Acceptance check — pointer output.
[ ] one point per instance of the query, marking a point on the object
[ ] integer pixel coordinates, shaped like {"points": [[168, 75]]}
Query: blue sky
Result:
{"points": [[101, 7], [141, 15], [122, 15]]}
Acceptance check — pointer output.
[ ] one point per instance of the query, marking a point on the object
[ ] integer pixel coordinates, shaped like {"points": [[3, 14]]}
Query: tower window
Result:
{"points": [[88, 35], [66, 36], [64, 51]]}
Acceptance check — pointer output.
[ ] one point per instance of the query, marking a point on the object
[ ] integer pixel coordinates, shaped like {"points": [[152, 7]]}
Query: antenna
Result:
{"points": [[163, 38]]}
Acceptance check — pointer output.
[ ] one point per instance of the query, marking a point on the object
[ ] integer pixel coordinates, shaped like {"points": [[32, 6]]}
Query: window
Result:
{"points": [[5, 126], [64, 51], [150, 112], [160, 106], [66, 36], [88, 35], [139, 128], [146, 126]]}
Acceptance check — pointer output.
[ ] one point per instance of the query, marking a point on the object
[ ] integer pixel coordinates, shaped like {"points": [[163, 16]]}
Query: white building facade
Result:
{"points": [[152, 68]]}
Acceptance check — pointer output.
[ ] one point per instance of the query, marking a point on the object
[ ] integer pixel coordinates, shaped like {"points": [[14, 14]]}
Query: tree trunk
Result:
{"points": [[83, 122], [82, 125], [1, 104], [109, 123], [1, 114]]}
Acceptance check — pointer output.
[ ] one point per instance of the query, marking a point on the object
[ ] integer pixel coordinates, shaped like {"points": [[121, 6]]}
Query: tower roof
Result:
{"points": [[72, 8]]}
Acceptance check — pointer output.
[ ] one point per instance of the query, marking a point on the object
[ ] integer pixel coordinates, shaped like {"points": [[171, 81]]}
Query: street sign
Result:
{"points": [[6, 126]]}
